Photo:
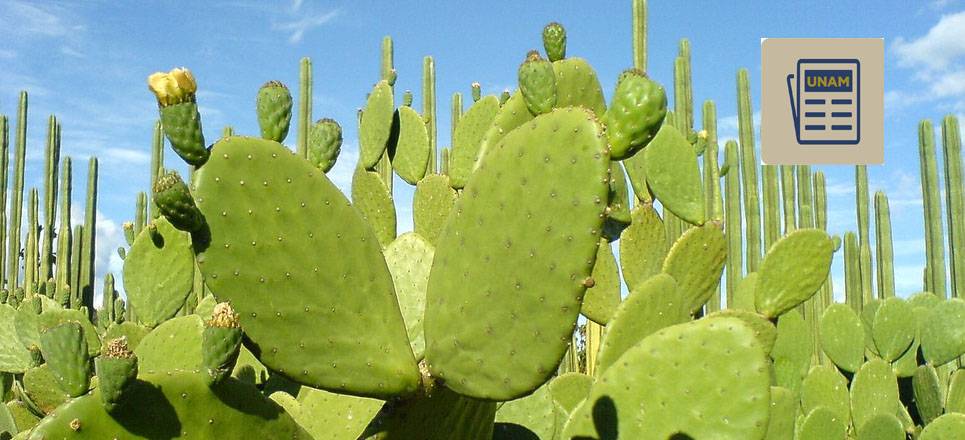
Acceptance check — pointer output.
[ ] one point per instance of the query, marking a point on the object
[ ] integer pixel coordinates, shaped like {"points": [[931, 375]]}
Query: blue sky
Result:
{"points": [[87, 63]]}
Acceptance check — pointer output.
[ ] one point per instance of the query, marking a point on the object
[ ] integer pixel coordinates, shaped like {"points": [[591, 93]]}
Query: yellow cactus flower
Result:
{"points": [[174, 87]]}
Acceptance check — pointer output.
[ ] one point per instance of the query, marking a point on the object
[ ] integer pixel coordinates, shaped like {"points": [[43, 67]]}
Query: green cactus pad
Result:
{"points": [[133, 332], [410, 153], [636, 167], [375, 127], [784, 407], [279, 211], [894, 328], [440, 415], [929, 393], [867, 314], [324, 144], [792, 271], [173, 200], [537, 84], [569, 389], [618, 205], [468, 138], [643, 245], [159, 272], [822, 424], [65, 350], [906, 365], [660, 387], [333, 416], [601, 300], [577, 86], [554, 41], [792, 351], [696, 261], [943, 332], [26, 322], [248, 369], [55, 316], [955, 400], [116, 373], [765, 331], [8, 426], [636, 113], [205, 307], [512, 114], [43, 389], [534, 414], [488, 289], [825, 387], [274, 108], [842, 337], [182, 126], [947, 427], [674, 176], [173, 345], [874, 390], [14, 357], [220, 342], [174, 405], [373, 200], [882, 427], [651, 306], [23, 418], [431, 205], [743, 297], [409, 258]]}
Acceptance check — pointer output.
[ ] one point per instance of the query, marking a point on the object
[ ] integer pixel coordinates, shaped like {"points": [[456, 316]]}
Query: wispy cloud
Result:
{"points": [[35, 19], [728, 127], [937, 59], [297, 28]]}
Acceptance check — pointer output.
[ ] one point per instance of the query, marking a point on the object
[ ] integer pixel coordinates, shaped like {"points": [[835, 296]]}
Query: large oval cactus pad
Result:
{"points": [[375, 128], [160, 273], [509, 270], [304, 272], [468, 137]]}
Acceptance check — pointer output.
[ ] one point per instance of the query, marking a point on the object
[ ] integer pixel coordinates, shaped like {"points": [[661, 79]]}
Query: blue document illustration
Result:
{"points": [[825, 101]]}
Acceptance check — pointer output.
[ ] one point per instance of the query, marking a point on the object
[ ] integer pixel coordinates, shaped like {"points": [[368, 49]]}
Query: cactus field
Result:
{"points": [[582, 266]]}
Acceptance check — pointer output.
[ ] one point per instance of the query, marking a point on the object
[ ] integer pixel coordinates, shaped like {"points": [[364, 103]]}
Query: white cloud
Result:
{"points": [[71, 52], [728, 128], [936, 58], [299, 27]]}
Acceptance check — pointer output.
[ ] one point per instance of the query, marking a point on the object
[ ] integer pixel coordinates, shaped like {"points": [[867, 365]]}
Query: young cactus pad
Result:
{"points": [[528, 269], [303, 271]]}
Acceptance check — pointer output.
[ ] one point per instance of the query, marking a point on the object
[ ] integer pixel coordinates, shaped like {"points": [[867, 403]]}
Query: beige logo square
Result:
{"points": [[822, 101]]}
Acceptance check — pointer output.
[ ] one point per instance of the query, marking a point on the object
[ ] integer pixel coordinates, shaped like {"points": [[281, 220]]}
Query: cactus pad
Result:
{"points": [[537, 84], [14, 357], [955, 400], [534, 414], [882, 427], [488, 290], [842, 337], [265, 205], [696, 261], [784, 407], [43, 389], [373, 200], [674, 176], [409, 258], [173, 200], [431, 204], [410, 153], [159, 272], [929, 393], [943, 331], [439, 415], [324, 144], [894, 328], [174, 405], [822, 424], [792, 351], [947, 427], [636, 113], [569, 389], [182, 126], [577, 86], [792, 271], [633, 397], [173, 345], [765, 331], [602, 299], [618, 204], [874, 390], [651, 306], [825, 387], [554, 41], [468, 138], [643, 245], [512, 114], [334, 416], [65, 350], [375, 127]]}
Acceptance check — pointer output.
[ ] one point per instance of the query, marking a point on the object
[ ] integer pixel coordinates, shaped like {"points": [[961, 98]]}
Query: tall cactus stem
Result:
{"points": [[4, 165], [732, 185], [76, 248], [387, 67], [852, 272], [30, 247], [955, 203], [715, 200], [429, 108], [63, 231], [51, 166], [826, 295], [752, 209], [788, 198], [16, 208], [640, 34], [107, 298], [772, 205], [89, 237], [139, 211], [934, 244], [456, 109], [864, 236], [157, 160], [884, 250], [304, 106]]}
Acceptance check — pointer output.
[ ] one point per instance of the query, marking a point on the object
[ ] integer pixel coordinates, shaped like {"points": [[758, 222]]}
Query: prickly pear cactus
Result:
{"points": [[274, 105], [157, 294], [173, 199], [263, 204], [554, 41], [324, 144], [635, 115], [536, 266], [537, 84], [375, 127]]}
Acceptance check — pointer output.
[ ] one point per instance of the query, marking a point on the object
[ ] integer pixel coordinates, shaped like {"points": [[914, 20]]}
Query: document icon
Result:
{"points": [[826, 111]]}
